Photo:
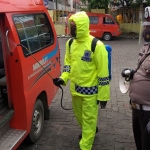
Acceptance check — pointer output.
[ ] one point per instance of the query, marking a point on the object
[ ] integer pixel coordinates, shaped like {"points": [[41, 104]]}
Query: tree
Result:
{"points": [[123, 3], [140, 2], [96, 4], [101, 4], [130, 3]]}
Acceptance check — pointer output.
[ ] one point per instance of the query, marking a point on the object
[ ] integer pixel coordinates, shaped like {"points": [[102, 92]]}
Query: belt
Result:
{"points": [[140, 107]]}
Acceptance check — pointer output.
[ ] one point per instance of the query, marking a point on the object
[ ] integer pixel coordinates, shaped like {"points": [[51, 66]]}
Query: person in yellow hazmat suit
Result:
{"points": [[89, 77]]}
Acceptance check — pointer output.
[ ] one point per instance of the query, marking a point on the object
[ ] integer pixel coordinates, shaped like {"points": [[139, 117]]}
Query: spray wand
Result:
{"points": [[46, 72]]}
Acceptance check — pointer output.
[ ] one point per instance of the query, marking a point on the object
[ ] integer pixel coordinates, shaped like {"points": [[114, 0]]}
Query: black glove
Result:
{"points": [[128, 76], [58, 81], [102, 104]]}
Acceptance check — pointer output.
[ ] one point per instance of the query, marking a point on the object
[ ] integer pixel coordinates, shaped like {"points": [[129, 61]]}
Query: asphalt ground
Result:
{"points": [[114, 123]]}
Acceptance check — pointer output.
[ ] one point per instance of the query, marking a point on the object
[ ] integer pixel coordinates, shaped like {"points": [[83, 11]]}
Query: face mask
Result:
{"points": [[73, 30]]}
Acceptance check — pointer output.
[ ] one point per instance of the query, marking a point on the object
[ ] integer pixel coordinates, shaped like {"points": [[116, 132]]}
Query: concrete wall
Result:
{"points": [[130, 27]]}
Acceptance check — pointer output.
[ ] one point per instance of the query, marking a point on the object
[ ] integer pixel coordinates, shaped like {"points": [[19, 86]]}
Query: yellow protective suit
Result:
{"points": [[89, 78]]}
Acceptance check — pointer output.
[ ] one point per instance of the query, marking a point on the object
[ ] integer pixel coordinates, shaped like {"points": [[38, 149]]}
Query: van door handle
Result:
{"points": [[8, 42]]}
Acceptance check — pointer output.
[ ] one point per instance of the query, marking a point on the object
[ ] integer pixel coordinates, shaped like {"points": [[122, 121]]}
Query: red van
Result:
{"points": [[29, 49], [102, 26]]}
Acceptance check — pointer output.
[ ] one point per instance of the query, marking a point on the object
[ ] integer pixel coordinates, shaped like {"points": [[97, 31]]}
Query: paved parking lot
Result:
{"points": [[115, 127]]}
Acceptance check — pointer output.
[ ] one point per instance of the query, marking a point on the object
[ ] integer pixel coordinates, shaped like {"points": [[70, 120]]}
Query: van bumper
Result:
{"points": [[118, 33]]}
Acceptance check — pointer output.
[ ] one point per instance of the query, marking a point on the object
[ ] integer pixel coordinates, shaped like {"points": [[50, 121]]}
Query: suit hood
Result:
{"points": [[82, 22]]}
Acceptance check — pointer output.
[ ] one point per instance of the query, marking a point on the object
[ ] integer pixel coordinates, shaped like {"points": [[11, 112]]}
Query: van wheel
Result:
{"points": [[107, 36], [37, 122]]}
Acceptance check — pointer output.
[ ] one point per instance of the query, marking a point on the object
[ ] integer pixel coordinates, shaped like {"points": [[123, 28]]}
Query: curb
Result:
{"points": [[125, 37], [63, 36]]}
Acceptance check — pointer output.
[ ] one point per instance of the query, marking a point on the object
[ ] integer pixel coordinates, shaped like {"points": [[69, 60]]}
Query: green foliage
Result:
{"points": [[130, 3], [142, 1], [103, 4], [134, 4], [139, 3], [96, 4], [84, 9]]}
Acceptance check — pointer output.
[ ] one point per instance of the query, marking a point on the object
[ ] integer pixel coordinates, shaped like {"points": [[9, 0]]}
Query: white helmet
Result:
{"points": [[147, 13]]}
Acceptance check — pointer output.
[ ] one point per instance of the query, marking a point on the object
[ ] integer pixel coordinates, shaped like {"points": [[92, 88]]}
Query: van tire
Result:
{"points": [[37, 122], [107, 36]]}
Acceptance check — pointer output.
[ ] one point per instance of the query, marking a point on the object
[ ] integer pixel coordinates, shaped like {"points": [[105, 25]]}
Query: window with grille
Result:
{"points": [[34, 31]]}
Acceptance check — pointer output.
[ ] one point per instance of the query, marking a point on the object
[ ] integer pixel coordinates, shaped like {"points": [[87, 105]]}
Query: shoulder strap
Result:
{"points": [[93, 45], [70, 42]]}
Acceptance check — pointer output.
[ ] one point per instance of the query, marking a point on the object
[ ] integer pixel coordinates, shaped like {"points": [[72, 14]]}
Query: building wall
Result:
{"points": [[66, 5], [51, 5]]}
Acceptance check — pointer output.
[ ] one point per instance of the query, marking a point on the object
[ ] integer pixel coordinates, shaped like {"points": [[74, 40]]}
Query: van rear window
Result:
{"points": [[34, 32], [93, 19]]}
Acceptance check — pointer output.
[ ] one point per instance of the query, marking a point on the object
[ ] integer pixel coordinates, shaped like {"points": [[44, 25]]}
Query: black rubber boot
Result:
{"points": [[80, 136]]}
